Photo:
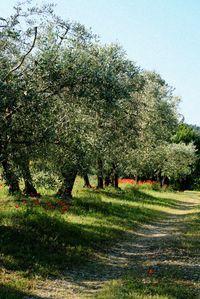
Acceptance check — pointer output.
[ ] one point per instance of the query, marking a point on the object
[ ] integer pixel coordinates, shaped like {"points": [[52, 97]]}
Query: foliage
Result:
{"points": [[174, 160], [85, 103], [189, 134]]}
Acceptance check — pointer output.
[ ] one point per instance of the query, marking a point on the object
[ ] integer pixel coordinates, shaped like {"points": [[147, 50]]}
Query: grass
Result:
{"points": [[41, 238], [173, 284], [132, 287]]}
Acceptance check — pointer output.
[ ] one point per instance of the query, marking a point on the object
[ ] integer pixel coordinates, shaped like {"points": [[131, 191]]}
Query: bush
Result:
{"points": [[196, 184]]}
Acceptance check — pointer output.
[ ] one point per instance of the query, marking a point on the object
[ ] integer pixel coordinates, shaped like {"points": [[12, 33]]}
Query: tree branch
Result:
{"points": [[3, 20], [23, 57]]}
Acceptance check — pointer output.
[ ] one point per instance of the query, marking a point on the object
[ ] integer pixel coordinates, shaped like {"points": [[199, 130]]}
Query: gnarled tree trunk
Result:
{"points": [[10, 177], [29, 187], [69, 177], [86, 181]]}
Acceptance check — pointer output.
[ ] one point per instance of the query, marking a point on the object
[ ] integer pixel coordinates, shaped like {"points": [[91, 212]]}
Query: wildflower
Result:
{"points": [[50, 205], [65, 209], [150, 270], [17, 206], [127, 181]]}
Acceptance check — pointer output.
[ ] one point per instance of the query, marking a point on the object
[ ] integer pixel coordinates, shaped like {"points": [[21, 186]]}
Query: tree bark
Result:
{"points": [[116, 185], [114, 176], [160, 178], [86, 181], [29, 187], [164, 181], [107, 180], [65, 191], [11, 179], [136, 179], [100, 174]]}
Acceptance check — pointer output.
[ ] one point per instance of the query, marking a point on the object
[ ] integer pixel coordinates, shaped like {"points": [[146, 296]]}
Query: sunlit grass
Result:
{"points": [[134, 287], [39, 239], [172, 284]]}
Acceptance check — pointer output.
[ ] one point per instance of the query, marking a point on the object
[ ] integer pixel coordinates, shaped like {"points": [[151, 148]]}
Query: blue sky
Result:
{"points": [[160, 35]]}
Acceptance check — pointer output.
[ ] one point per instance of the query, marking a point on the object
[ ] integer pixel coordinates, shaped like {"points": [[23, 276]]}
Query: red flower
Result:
{"points": [[127, 181], [50, 205], [65, 209], [17, 206], [150, 271]]}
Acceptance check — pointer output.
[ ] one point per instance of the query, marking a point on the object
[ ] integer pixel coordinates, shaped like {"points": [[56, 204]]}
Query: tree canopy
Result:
{"points": [[70, 105]]}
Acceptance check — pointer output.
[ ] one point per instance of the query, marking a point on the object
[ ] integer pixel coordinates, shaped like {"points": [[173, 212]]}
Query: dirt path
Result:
{"points": [[158, 244]]}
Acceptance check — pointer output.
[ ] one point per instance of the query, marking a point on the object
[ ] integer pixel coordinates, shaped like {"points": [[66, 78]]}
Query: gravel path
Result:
{"points": [[157, 245]]}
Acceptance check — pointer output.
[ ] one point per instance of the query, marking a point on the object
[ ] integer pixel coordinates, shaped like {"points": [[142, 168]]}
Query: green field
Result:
{"points": [[42, 238]]}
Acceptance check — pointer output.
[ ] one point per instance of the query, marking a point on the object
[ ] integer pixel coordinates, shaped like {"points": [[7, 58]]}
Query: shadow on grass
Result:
{"points": [[133, 287], [135, 195], [125, 216], [192, 233], [175, 278], [43, 243], [9, 292]]}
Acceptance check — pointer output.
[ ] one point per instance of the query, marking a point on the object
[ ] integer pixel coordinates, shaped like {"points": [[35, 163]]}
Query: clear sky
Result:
{"points": [[160, 35]]}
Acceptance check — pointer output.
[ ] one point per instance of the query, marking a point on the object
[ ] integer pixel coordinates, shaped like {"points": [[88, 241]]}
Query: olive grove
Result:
{"points": [[70, 105]]}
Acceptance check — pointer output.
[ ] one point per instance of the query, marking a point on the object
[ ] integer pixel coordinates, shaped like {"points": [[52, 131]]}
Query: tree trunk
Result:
{"points": [[100, 174], [136, 179], [182, 185], [86, 181], [107, 180], [160, 178], [65, 191], [114, 176], [29, 189], [11, 179], [116, 185], [164, 181]]}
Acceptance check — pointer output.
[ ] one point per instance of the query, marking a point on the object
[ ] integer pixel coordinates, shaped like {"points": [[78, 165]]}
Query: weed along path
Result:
{"points": [[158, 260]]}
